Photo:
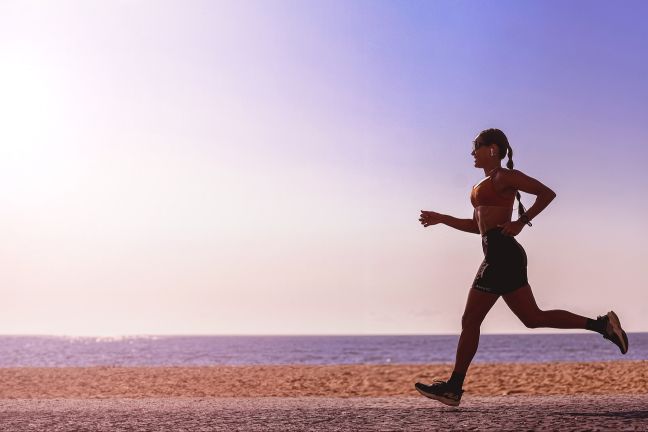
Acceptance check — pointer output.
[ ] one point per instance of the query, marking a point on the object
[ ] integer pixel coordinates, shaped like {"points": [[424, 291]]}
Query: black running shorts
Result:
{"points": [[504, 268]]}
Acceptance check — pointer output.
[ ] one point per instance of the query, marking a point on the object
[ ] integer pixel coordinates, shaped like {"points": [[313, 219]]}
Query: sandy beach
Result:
{"points": [[549, 396], [617, 377]]}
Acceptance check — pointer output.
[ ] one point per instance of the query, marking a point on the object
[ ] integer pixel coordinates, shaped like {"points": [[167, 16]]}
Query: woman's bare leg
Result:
{"points": [[523, 304], [477, 306]]}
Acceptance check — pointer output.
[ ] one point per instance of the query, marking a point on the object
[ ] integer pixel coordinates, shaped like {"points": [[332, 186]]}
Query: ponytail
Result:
{"points": [[509, 165]]}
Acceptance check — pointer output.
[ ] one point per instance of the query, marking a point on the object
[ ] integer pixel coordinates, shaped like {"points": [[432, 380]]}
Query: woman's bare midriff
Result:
{"points": [[489, 217]]}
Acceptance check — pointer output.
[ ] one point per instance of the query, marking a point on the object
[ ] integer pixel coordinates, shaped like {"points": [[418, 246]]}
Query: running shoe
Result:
{"points": [[614, 332], [441, 391]]}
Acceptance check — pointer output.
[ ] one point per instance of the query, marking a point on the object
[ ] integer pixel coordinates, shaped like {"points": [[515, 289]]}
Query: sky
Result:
{"points": [[259, 167]]}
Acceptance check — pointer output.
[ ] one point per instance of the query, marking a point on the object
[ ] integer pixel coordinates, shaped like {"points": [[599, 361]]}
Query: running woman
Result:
{"points": [[503, 271]]}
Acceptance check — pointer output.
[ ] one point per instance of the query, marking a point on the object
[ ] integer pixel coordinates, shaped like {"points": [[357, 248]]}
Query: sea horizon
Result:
{"points": [[128, 335], [205, 350]]}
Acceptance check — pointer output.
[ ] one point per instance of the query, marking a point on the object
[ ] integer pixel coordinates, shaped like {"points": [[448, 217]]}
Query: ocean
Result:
{"points": [[41, 351]]}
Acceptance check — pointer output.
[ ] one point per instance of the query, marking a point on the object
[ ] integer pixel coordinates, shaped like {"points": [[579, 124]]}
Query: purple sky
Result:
{"points": [[180, 167]]}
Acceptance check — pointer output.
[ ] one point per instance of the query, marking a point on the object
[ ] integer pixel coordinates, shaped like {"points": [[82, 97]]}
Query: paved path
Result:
{"points": [[514, 413]]}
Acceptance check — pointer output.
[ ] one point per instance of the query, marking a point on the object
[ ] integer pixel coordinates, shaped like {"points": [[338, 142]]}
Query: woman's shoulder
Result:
{"points": [[505, 178], [508, 173]]}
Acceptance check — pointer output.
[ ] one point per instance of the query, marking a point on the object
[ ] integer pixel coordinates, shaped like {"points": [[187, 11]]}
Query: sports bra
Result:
{"points": [[484, 194]]}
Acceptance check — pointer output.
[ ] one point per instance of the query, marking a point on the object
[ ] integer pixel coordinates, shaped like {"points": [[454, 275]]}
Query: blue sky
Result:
{"points": [[178, 167]]}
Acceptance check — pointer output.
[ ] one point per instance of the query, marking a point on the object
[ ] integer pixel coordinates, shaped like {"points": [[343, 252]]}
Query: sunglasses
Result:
{"points": [[477, 144]]}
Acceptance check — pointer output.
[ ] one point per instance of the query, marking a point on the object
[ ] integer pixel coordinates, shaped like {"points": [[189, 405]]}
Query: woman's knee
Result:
{"points": [[468, 322]]}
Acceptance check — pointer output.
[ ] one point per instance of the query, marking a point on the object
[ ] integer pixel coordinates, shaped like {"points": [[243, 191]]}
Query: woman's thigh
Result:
{"points": [[522, 302]]}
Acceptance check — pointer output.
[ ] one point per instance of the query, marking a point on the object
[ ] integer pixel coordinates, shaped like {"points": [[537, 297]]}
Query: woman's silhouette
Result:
{"points": [[503, 271]]}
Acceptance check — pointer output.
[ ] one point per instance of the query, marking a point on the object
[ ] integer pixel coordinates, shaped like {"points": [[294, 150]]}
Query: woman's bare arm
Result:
{"points": [[517, 180], [433, 218], [520, 181]]}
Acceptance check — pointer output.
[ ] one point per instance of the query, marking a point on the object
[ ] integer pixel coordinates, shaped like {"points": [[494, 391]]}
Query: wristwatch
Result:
{"points": [[525, 219]]}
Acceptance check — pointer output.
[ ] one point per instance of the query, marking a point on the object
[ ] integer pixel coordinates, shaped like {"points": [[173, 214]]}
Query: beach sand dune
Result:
{"points": [[326, 381]]}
